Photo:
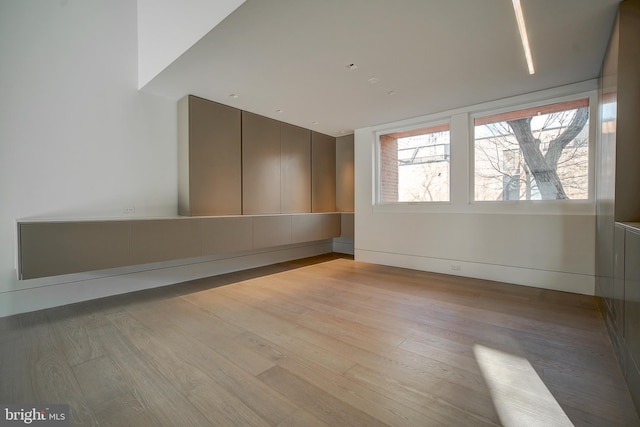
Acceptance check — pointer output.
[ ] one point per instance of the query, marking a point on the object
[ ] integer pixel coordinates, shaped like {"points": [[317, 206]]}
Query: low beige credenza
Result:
{"points": [[56, 247]]}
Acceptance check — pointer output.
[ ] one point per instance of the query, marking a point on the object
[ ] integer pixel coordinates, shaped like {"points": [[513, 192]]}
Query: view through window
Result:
{"points": [[415, 165], [539, 153]]}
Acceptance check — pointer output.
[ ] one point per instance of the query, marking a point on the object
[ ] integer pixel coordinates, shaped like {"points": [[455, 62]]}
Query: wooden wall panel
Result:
{"points": [[260, 164], [214, 160], [164, 240], [271, 231], [345, 174], [323, 173], [226, 234], [54, 248], [295, 186]]}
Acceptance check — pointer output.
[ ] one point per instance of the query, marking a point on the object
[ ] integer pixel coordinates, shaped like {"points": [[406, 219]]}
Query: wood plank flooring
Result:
{"points": [[324, 341]]}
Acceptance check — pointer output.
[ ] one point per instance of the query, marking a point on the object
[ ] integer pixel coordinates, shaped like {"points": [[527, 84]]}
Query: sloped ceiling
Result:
{"points": [[426, 56]]}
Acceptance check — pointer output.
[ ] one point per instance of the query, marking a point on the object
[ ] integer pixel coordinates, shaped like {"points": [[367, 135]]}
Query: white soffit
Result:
{"points": [[410, 58], [167, 28]]}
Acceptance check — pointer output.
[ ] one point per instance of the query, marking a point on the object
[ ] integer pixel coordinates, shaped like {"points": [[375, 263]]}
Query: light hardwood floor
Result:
{"points": [[325, 341]]}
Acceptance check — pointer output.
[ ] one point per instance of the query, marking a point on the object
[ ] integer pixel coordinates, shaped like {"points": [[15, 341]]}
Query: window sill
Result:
{"points": [[533, 207]]}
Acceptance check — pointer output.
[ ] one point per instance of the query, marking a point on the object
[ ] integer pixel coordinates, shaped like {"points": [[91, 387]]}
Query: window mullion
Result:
{"points": [[460, 165]]}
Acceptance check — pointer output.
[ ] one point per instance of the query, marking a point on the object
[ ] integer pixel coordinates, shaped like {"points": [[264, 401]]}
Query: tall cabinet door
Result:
{"points": [[632, 312], [209, 156], [627, 172], [295, 187], [616, 298], [323, 173], [345, 173], [260, 164]]}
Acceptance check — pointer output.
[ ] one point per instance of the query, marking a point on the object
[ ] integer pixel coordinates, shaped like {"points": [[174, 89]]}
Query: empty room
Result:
{"points": [[320, 213]]}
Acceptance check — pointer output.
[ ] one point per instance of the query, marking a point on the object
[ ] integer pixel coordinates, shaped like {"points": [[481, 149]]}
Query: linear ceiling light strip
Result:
{"points": [[523, 35]]}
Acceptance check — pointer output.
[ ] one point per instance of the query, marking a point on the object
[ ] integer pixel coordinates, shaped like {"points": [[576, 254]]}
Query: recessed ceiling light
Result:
{"points": [[233, 95], [352, 66], [373, 80]]}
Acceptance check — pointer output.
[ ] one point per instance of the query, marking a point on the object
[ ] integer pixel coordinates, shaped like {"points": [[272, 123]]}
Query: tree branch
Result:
{"points": [[571, 132]]}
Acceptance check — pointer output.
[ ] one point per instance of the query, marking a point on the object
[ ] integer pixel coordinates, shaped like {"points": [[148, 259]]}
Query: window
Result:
{"points": [[415, 165], [539, 153], [530, 154]]}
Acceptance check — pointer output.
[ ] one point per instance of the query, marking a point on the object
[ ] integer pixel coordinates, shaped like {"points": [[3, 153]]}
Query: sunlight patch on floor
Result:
{"points": [[519, 394]]}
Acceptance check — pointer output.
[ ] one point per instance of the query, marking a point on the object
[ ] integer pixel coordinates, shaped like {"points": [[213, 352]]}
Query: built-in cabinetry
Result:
{"points": [[51, 248], [234, 162], [209, 158], [246, 182], [276, 172], [345, 174], [622, 306], [618, 192], [323, 173], [261, 164], [295, 169], [630, 293]]}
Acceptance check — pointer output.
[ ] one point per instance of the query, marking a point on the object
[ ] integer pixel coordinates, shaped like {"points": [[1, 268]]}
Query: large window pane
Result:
{"points": [[539, 153], [415, 165]]}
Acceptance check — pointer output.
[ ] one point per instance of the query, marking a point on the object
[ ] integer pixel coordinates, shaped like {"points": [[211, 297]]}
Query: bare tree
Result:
{"points": [[509, 152], [544, 166]]}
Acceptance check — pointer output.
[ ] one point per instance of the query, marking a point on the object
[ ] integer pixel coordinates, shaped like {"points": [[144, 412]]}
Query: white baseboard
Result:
{"points": [[113, 283], [554, 280]]}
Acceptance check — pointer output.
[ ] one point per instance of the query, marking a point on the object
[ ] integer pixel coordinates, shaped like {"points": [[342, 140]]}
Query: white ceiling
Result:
{"points": [[435, 55]]}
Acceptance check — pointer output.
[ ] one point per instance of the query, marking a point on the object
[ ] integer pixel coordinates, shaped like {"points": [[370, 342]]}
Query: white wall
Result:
{"points": [[78, 140], [547, 248], [76, 137], [168, 28]]}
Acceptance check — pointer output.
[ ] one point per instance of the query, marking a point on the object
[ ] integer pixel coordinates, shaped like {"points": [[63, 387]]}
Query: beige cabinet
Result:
{"points": [[627, 148], [164, 240], [260, 164], [226, 234], [617, 201], [209, 158], [233, 162], [295, 183], [331, 225], [347, 224], [306, 228], [54, 248], [272, 230], [65, 247], [631, 294], [276, 166], [345, 173], [323, 173]]}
